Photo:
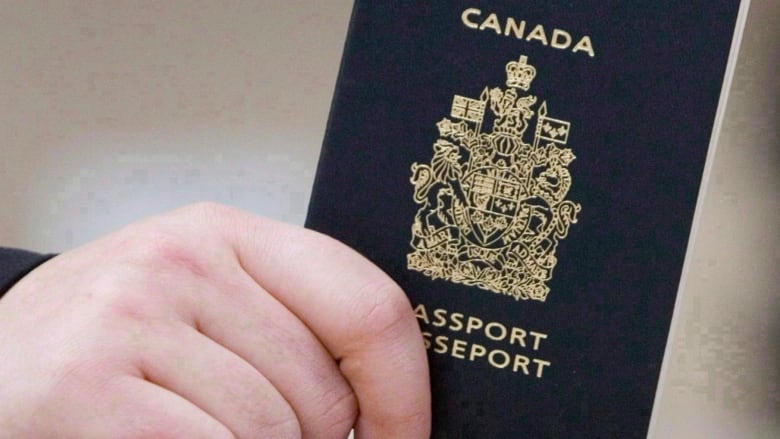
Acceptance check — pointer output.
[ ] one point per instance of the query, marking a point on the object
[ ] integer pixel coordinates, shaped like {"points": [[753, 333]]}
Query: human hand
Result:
{"points": [[208, 322]]}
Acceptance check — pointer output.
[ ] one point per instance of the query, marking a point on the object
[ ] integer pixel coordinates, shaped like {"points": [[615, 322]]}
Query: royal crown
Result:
{"points": [[520, 74]]}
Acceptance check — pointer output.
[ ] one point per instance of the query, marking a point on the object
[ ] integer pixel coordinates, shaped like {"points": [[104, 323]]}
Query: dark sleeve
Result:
{"points": [[15, 264]]}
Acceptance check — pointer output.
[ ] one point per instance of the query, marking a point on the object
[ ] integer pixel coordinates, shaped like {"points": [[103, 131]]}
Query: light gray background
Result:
{"points": [[111, 111]]}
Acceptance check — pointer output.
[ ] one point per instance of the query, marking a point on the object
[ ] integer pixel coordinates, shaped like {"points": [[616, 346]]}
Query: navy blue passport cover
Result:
{"points": [[528, 173]]}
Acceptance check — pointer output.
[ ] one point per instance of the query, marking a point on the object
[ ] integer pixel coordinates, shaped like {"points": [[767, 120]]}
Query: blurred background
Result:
{"points": [[112, 111]]}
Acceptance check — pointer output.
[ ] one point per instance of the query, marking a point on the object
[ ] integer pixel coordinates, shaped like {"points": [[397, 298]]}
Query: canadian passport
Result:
{"points": [[528, 172]]}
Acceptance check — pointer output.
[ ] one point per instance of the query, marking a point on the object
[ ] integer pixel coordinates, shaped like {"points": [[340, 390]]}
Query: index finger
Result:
{"points": [[361, 316]]}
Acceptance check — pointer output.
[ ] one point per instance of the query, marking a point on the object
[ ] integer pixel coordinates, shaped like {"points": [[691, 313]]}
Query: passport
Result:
{"points": [[528, 173]]}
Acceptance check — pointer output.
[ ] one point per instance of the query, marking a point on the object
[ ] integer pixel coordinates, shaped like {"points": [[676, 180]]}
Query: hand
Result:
{"points": [[210, 323]]}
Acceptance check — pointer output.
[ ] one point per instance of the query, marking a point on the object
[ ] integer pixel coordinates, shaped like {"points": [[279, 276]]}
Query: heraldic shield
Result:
{"points": [[493, 207]]}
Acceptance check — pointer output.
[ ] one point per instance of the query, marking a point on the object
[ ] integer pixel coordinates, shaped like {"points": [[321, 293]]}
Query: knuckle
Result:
{"points": [[124, 307], [155, 243], [132, 290], [387, 311], [166, 250]]}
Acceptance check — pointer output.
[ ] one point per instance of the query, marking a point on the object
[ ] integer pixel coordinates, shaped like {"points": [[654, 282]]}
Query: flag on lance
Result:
{"points": [[464, 108], [552, 130]]}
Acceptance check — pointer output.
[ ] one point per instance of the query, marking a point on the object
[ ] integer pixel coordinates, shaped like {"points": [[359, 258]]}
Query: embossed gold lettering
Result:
{"points": [[459, 349], [439, 317], [463, 349], [421, 314], [427, 339], [540, 366], [491, 22], [441, 344], [560, 39], [501, 331], [498, 353], [537, 34], [515, 28], [585, 45], [467, 20], [518, 335], [473, 18], [477, 351], [521, 361], [457, 321], [538, 337], [472, 324], [497, 358]]}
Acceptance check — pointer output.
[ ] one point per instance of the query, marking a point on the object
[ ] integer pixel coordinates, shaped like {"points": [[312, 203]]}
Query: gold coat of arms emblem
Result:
{"points": [[493, 207]]}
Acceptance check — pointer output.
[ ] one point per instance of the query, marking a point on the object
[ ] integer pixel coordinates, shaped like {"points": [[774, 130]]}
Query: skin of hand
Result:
{"points": [[208, 322]]}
